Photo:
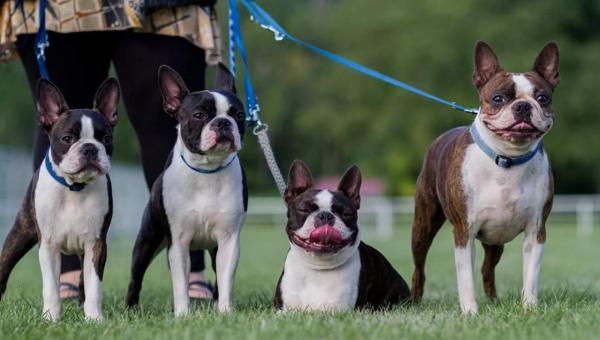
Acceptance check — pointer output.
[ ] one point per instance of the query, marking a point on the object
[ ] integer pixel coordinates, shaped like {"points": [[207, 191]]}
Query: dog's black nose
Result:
{"points": [[324, 217], [522, 110], [221, 124], [89, 151]]}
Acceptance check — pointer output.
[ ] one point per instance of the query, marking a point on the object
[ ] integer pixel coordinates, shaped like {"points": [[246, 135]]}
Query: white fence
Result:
{"points": [[378, 215]]}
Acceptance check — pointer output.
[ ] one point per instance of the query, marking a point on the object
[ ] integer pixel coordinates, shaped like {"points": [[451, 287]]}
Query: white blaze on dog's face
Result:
{"points": [[210, 122], [322, 222], [80, 139], [516, 108]]}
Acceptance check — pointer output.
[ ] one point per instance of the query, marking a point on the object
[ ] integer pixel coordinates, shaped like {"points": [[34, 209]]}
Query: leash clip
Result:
{"points": [[41, 54], [260, 127]]}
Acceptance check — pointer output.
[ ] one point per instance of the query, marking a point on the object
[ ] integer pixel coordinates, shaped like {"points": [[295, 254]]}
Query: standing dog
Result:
{"points": [[68, 205], [328, 267], [492, 180], [200, 199]]}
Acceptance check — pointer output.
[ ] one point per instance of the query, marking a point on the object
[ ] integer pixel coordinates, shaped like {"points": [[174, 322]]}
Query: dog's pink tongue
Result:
{"points": [[325, 234]]}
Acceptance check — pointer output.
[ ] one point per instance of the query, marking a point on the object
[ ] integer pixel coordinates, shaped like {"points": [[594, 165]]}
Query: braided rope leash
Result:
{"points": [[260, 132]]}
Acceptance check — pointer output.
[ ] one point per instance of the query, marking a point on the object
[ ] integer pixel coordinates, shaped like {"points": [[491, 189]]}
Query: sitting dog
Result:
{"points": [[68, 205], [492, 180], [200, 199], [328, 267]]}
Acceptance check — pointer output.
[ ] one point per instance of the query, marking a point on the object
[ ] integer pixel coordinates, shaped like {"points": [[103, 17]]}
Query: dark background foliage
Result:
{"points": [[332, 117]]}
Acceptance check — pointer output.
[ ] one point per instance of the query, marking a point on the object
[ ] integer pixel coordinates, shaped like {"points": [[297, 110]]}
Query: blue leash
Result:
{"points": [[262, 18], [235, 40], [41, 41]]}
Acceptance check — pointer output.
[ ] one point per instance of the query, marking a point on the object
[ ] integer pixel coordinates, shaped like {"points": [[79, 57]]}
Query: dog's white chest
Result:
{"points": [[203, 208], [501, 203], [305, 288], [66, 219]]}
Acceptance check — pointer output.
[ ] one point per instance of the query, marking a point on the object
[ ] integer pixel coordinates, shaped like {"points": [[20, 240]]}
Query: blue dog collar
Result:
{"points": [[72, 187], [500, 160], [207, 171]]}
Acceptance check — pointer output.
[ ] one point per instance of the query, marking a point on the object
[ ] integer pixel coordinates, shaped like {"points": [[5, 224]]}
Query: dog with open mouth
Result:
{"points": [[328, 267], [68, 205], [491, 180]]}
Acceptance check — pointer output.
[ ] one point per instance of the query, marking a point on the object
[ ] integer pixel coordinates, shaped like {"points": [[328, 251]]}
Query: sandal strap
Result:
{"points": [[69, 286], [203, 284]]}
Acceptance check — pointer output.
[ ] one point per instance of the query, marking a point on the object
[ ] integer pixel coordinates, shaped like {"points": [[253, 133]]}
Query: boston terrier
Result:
{"points": [[328, 267], [491, 180], [200, 199], [68, 205]]}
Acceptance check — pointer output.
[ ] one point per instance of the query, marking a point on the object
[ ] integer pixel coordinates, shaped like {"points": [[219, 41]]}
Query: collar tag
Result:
{"points": [[503, 162]]}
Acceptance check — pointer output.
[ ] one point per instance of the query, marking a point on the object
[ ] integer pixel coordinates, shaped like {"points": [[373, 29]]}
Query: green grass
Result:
{"points": [[569, 291]]}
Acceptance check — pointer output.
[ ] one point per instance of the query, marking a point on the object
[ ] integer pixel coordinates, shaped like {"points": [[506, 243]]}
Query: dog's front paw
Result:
{"points": [[94, 317], [181, 311], [52, 314], [529, 302], [469, 309], [225, 308]]}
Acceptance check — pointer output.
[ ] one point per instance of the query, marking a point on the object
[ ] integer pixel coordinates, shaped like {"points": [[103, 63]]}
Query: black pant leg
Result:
{"points": [[137, 59], [77, 63]]}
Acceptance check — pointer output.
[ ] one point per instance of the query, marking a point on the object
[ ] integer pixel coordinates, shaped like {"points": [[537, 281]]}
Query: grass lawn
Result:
{"points": [[569, 291]]}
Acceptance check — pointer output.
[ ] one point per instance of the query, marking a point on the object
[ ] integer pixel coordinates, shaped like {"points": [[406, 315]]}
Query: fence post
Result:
{"points": [[585, 216]]}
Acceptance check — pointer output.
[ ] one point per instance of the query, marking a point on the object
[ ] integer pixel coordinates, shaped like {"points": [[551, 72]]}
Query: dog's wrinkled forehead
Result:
{"points": [[82, 123], [324, 200], [515, 86], [212, 104]]}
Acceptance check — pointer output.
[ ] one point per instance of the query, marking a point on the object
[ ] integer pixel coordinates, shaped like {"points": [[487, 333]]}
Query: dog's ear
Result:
{"points": [[50, 103], [173, 89], [225, 80], [106, 100], [350, 185], [486, 64], [546, 64], [299, 180]]}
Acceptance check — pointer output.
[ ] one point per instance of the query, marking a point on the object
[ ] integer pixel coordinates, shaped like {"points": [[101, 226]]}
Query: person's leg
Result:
{"points": [[77, 63], [137, 59]]}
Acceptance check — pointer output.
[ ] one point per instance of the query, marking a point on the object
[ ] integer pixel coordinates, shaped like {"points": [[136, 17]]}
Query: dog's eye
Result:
{"points": [[347, 214], [240, 115], [499, 99], [200, 115], [543, 99], [67, 139], [305, 209], [107, 139]]}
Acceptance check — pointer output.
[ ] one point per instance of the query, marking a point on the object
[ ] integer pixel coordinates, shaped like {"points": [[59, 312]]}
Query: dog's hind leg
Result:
{"points": [[213, 260], [150, 241], [429, 218], [21, 238], [492, 257]]}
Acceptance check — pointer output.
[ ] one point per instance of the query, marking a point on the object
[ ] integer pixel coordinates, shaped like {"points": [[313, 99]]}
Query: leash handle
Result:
{"points": [[262, 18], [41, 40]]}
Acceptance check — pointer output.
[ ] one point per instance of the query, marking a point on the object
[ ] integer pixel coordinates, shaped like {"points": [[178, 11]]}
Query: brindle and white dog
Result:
{"points": [[493, 180]]}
